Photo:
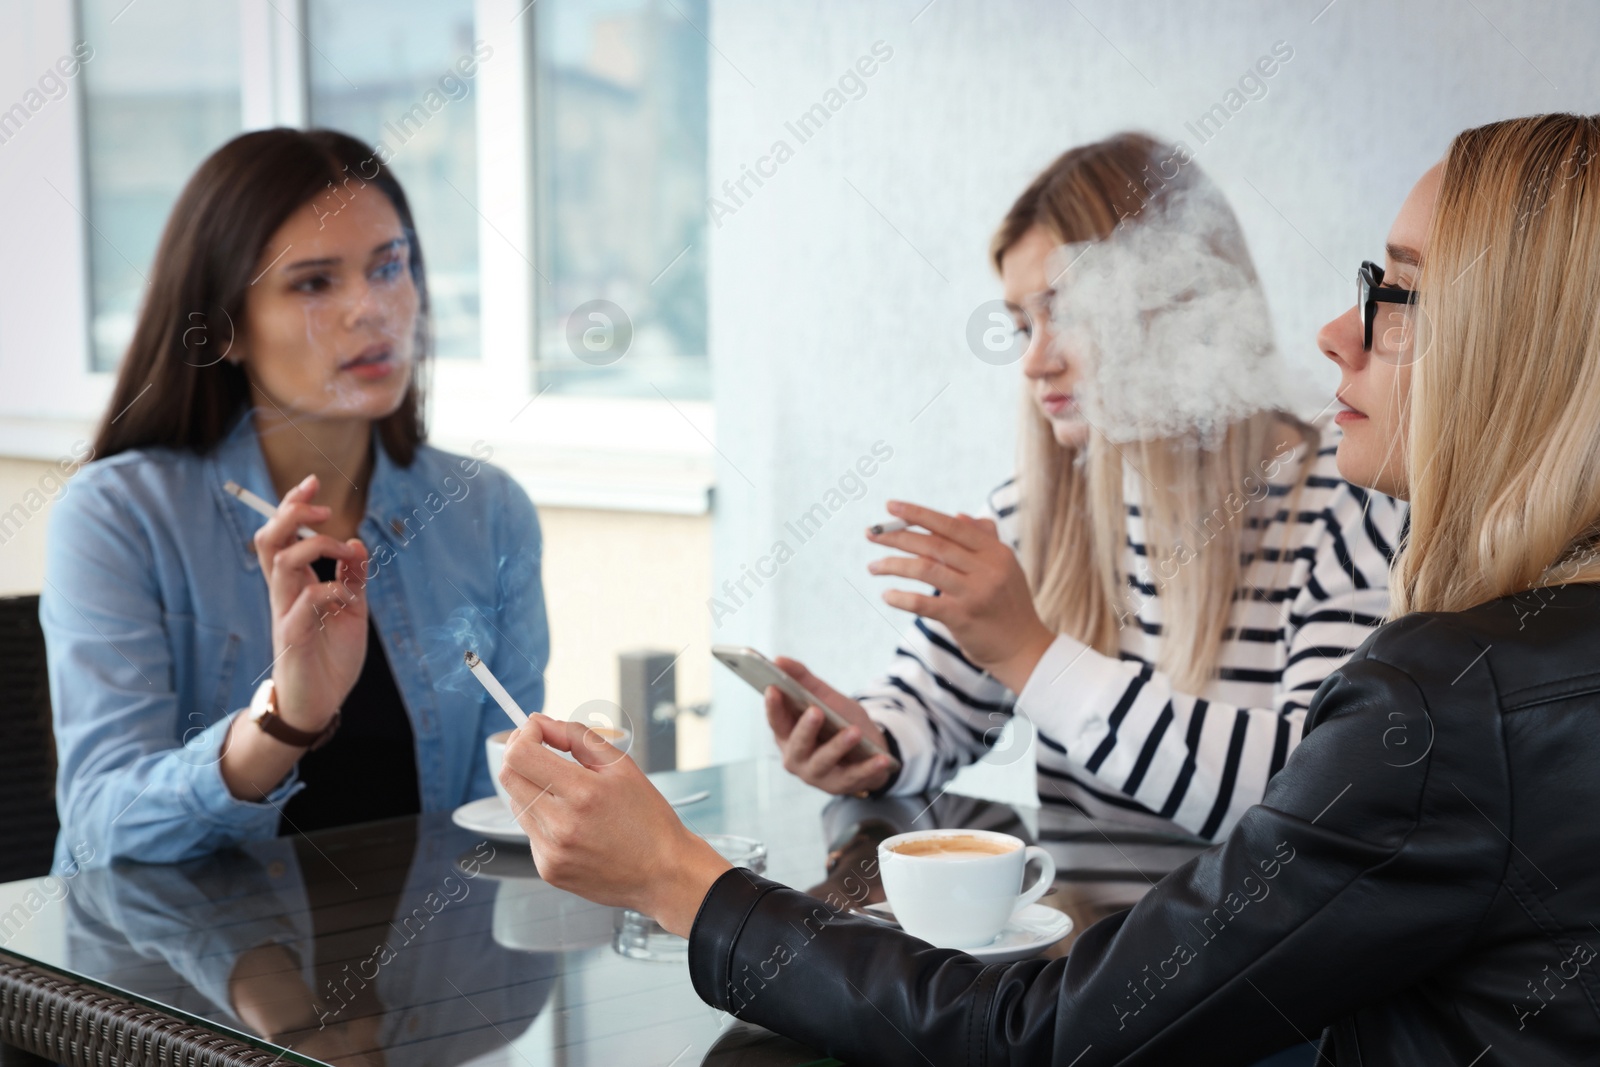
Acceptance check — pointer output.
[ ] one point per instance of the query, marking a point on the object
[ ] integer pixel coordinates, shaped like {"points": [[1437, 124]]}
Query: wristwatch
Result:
{"points": [[264, 713]]}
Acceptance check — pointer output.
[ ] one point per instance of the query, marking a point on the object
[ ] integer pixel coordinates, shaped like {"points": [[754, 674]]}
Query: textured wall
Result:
{"points": [[842, 286]]}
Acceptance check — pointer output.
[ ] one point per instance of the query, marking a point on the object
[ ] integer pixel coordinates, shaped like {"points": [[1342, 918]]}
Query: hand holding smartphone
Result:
{"points": [[760, 672]]}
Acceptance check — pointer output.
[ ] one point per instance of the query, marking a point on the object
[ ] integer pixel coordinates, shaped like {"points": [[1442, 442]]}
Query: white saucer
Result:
{"points": [[1031, 931], [491, 818]]}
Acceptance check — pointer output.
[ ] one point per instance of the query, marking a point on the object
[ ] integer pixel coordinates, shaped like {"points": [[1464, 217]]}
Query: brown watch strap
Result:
{"points": [[264, 710], [274, 726]]}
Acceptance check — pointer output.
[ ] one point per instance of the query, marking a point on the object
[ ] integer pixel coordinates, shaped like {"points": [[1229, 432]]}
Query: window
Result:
{"points": [[400, 75], [555, 157], [162, 93], [620, 126]]}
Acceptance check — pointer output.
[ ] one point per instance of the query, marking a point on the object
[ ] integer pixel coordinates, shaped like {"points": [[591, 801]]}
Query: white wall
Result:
{"points": [[43, 299], [830, 330]]}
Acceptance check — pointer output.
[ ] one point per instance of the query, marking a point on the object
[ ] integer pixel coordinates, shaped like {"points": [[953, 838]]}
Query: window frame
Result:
{"points": [[651, 455]]}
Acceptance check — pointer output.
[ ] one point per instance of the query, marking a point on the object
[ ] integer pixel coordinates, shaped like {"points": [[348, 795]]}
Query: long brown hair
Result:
{"points": [[1503, 435], [1073, 512], [214, 238]]}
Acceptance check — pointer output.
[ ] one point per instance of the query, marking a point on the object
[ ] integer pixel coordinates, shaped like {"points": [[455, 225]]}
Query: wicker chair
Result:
{"points": [[28, 754]]}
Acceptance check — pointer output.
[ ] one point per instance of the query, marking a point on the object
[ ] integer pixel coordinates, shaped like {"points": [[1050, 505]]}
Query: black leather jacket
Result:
{"points": [[1420, 885]]}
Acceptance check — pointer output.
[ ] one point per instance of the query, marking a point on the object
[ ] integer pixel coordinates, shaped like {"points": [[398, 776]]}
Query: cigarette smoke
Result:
{"points": [[1168, 322], [442, 646]]}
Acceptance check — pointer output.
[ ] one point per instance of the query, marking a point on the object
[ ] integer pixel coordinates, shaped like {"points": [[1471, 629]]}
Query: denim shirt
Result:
{"points": [[158, 631]]}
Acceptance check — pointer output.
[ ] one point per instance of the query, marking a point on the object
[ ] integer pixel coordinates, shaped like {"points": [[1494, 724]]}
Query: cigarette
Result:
{"points": [[892, 526], [261, 507], [480, 671]]}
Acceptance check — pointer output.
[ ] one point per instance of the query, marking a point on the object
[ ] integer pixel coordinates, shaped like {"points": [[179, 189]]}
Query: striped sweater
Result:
{"points": [[1116, 740]]}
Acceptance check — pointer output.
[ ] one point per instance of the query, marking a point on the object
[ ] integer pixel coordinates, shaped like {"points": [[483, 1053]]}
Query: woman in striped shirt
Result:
{"points": [[1178, 564]]}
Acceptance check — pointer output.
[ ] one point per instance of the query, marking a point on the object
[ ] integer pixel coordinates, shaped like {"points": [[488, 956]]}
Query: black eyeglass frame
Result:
{"points": [[1370, 292]]}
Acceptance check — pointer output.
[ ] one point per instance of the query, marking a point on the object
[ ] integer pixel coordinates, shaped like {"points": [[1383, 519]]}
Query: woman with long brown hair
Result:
{"points": [[216, 677], [1418, 884], [1178, 564]]}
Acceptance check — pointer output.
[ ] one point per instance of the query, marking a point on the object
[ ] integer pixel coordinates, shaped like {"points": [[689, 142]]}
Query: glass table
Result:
{"points": [[416, 942]]}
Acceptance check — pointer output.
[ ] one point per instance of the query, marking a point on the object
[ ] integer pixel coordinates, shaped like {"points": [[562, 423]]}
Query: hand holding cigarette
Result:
{"points": [[319, 629], [598, 827], [984, 597]]}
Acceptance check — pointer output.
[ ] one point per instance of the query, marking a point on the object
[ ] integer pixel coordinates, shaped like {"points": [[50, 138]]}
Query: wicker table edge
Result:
{"points": [[56, 1016]]}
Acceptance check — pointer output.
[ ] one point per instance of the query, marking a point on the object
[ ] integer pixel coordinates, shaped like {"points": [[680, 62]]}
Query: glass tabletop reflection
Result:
{"points": [[417, 942]]}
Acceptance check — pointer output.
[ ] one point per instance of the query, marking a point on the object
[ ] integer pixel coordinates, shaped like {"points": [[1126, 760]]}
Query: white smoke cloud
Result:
{"points": [[1173, 333]]}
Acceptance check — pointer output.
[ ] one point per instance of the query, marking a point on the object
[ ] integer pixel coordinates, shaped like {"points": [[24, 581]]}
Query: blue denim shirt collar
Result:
{"points": [[238, 458]]}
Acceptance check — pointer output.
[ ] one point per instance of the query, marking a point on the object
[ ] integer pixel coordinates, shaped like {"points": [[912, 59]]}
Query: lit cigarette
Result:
{"points": [[892, 526], [261, 507], [480, 671]]}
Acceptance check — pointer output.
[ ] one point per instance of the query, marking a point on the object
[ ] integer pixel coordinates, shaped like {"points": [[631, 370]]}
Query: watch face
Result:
{"points": [[264, 700]]}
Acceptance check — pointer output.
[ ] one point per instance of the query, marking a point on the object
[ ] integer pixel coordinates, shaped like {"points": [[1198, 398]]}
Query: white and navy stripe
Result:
{"points": [[1116, 741]]}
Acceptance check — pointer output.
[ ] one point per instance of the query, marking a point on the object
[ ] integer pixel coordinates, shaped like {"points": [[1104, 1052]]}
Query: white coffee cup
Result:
{"points": [[618, 737], [531, 915], [494, 747], [958, 888]]}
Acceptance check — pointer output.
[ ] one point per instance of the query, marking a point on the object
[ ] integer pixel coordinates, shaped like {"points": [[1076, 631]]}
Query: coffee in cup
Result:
{"points": [[958, 888], [956, 845]]}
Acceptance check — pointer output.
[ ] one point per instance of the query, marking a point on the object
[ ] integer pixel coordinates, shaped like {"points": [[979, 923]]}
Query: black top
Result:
{"points": [[368, 770]]}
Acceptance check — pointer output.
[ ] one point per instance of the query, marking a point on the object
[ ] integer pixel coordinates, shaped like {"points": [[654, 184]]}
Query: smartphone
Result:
{"points": [[759, 672]]}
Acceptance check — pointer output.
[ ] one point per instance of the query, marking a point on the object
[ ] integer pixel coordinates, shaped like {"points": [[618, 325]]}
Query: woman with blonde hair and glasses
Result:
{"points": [[1178, 565], [1418, 883]]}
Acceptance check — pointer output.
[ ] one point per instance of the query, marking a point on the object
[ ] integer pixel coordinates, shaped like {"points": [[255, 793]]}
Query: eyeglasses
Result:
{"points": [[1370, 292]]}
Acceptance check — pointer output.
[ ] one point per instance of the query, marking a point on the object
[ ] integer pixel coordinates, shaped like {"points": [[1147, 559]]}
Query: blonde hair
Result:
{"points": [[1073, 513], [1503, 443]]}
